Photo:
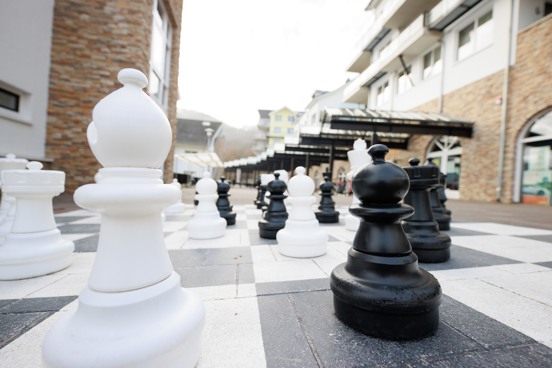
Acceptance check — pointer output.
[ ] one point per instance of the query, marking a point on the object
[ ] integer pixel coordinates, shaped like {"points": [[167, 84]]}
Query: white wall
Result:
{"points": [[25, 43], [483, 63]]}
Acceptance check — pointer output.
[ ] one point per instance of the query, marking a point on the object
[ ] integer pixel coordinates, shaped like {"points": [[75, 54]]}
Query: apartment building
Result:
{"points": [[60, 57], [483, 61], [282, 127]]}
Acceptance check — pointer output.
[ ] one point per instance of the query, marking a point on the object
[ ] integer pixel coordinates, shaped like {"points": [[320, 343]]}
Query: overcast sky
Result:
{"points": [[239, 56]]}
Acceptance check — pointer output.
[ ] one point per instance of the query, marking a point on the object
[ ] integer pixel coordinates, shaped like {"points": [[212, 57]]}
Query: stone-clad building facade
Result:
{"points": [[91, 40], [486, 62], [529, 97]]}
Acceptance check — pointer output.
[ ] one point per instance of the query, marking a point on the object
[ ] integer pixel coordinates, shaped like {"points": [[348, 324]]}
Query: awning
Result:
{"points": [[393, 122], [203, 159]]}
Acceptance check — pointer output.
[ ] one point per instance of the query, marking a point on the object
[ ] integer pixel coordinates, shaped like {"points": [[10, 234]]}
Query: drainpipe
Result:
{"points": [[504, 110], [442, 82]]}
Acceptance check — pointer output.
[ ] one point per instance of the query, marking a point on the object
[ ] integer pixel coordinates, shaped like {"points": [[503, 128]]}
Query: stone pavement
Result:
{"points": [[264, 309]]}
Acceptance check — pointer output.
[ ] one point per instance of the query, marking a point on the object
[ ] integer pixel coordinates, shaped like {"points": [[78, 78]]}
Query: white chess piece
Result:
{"points": [[133, 312], [358, 157], [302, 236], [7, 205], [206, 223], [178, 207], [34, 246]]}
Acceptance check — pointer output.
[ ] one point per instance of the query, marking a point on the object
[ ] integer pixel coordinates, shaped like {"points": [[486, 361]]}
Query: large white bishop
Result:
{"points": [[133, 312]]}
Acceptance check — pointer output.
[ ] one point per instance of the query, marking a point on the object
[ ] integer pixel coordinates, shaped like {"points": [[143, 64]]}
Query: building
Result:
{"points": [[282, 127], [60, 57], [194, 148], [485, 61], [261, 136]]}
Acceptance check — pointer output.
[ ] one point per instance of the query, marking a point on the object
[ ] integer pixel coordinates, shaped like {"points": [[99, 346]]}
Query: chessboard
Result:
{"points": [[265, 309]]}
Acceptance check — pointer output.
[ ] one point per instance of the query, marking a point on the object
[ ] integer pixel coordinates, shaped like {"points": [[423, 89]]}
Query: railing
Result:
{"points": [[440, 10], [385, 56]]}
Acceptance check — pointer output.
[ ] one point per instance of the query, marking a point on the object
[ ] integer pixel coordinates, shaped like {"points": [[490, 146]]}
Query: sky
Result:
{"points": [[241, 56]]}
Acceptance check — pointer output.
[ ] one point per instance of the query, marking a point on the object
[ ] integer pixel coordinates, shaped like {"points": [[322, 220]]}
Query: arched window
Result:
{"points": [[536, 166], [446, 153]]}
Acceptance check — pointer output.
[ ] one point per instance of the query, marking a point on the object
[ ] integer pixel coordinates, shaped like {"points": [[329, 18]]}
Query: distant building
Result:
{"points": [[194, 148], [282, 127], [261, 136], [60, 57], [484, 61]]}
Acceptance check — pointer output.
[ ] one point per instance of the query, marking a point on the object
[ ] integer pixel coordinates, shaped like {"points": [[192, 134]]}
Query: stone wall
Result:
{"points": [[91, 41], [530, 91]]}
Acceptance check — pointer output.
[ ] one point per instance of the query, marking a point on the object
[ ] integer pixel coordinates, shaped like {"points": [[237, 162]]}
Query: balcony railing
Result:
{"points": [[404, 43]]}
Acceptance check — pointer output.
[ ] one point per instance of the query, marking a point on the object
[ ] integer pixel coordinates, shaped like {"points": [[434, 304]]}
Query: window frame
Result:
{"points": [[161, 77], [435, 66], [480, 32], [14, 95]]}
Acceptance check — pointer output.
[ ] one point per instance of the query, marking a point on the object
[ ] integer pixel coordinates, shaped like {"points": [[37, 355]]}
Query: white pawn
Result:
{"points": [[358, 157], [34, 246], [7, 206], [206, 223], [302, 236], [178, 207], [133, 312]]}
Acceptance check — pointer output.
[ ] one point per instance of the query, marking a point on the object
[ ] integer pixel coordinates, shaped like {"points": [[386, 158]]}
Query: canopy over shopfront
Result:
{"points": [[399, 122], [339, 129]]}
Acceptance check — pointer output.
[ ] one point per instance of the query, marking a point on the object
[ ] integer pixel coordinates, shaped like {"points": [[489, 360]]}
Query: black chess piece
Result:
{"points": [[443, 195], [429, 244], [261, 191], [380, 290], [275, 216], [441, 214], [223, 202], [327, 213]]}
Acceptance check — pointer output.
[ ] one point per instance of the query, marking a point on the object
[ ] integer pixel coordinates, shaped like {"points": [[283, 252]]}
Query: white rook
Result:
{"points": [[358, 157], [34, 246], [7, 205], [133, 313]]}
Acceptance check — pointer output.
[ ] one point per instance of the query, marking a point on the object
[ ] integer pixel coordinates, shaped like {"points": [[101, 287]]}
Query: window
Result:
{"points": [[432, 63], [404, 83], [290, 131], [160, 55], [382, 94], [476, 36], [278, 118], [291, 119], [9, 100], [277, 130]]}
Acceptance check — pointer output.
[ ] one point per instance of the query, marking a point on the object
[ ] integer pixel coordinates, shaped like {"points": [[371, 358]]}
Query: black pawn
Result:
{"points": [[441, 214], [223, 203], [422, 230], [327, 213], [275, 216], [380, 290], [442, 195], [259, 202]]}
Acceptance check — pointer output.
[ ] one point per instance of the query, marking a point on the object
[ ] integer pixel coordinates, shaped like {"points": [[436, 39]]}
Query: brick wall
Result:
{"points": [[92, 40], [530, 92]]}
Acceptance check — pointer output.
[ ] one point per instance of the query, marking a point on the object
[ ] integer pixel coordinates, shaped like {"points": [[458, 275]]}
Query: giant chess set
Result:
{"points": [[141, 277]]}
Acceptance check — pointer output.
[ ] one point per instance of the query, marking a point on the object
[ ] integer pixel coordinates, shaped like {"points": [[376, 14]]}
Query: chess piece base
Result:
{"points": [[302, 239], [429, 245], [206, 229], [34, 254], [230, 217], [327, 218], [268, 230], [351, 222], [444, 222], [372, 294], [156, 326]]}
